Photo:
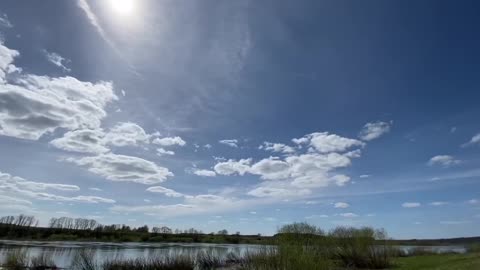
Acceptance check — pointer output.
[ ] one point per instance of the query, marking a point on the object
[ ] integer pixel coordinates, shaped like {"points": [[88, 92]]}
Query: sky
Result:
{"points": [[243, 115]]}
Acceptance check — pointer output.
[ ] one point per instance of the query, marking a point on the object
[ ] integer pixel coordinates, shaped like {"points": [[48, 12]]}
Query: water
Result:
{"points": [[436, 249], [63, 252]]}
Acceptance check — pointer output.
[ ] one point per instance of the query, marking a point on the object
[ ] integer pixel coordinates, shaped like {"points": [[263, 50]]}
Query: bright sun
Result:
{"points": [[123, 7]]}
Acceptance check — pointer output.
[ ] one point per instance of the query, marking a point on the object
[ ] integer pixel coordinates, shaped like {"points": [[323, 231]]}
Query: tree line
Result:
{"points": [[27, 227]]}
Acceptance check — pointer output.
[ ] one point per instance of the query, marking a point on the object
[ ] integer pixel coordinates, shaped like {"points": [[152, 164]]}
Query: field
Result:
{"points": [[439, 262]]}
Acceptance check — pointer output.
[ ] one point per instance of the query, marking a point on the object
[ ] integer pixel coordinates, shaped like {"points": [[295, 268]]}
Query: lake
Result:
{"points": [[63, 252]]}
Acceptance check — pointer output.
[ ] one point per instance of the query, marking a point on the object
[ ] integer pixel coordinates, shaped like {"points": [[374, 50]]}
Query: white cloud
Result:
{"points": [[167, 192], [473, 201], [454, 222], [83, 140], [169, 141], [96, 140], [36, 105], [231, 167], [277, 192], [411, 205], [230, 142], [21, 187], [341, 205], [438, 203], [9, 180], [162, 152], [5, 199], [443, 160], [271, 169], [474, 141], [277, 147], [323, 142], [316, 216], [364, 176], [374, 130], [95, 189], [5, 22], [124, 168], [125, 134], [192, 205], [348, 215], [57, 60], [206, 173], [208, 146]]}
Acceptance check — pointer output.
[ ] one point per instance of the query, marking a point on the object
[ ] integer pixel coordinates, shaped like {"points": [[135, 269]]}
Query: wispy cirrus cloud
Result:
{"points": [[57, 60]]}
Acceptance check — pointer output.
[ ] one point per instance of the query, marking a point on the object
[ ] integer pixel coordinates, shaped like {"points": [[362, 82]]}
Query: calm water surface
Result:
{"points": [[63, 252]]}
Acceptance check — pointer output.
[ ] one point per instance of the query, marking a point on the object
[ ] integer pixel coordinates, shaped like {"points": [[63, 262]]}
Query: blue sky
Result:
{"points": [[243, 115]]}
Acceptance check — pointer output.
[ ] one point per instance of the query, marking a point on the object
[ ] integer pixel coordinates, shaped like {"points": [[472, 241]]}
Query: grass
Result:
{"points": [[470, 261]]}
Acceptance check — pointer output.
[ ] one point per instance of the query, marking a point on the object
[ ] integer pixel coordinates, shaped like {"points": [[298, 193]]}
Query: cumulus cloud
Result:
{"points": [[324, 142], [443, 160], [97, 141], [374, 130], [57, 60], [125, 134], [341, 205], [6, 62], [271, 169], [169, 141], [411, 205], [167, 192], [37, 105], [364, 176], [19, 186], [207, 173], [277, 147], [231, 167], [83, 141], [162, 152], [298, 173], [230, 142], [124, 168]]}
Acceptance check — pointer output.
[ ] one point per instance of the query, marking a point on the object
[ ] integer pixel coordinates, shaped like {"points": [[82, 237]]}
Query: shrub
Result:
{"points": [[42, 262], [16, 259]]}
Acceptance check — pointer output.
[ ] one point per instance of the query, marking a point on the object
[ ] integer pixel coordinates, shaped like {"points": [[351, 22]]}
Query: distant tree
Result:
{"points": [[165, 230], [223, 232], [7, 220], [300, 228], [142, 229]]}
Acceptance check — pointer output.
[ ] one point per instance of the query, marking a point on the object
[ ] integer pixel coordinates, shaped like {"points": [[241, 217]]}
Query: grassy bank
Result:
{"points": [[470, 261]]}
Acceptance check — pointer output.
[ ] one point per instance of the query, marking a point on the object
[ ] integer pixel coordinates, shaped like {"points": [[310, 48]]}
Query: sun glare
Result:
{"points": [[123, 7]]}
